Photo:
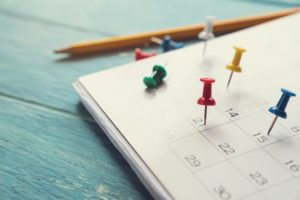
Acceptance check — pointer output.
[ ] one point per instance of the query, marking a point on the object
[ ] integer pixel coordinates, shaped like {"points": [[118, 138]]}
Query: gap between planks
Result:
{"points": [[24, 17], [41, 106]]}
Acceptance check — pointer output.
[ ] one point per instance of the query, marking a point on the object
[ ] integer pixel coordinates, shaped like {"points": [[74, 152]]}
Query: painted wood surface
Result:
{"points": [[130, 16], [50, 147], [48, 154]]}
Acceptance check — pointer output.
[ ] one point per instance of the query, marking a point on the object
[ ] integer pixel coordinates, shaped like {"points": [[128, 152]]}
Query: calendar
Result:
{"points": [[245, 163], [161, 131]]}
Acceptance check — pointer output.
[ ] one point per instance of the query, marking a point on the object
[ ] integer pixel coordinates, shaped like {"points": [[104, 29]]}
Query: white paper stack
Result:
{"points": [[161, 134]]}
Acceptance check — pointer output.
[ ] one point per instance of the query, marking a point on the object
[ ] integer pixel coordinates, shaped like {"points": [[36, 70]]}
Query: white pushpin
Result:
{"points": [[207, 33]]}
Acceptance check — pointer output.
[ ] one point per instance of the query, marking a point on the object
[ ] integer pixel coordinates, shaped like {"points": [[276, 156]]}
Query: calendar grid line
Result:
{"points": [[246, 152], [203, 185], [194, 172], [251, 194], [277, 184], [236, 168], [277, 141], [259, 147], [206, 129], [243, 117], [293, 176], [233, 157], [285, 127], [266, 151], [270, 187], [228, 160], [199, 131], [230, 121]]}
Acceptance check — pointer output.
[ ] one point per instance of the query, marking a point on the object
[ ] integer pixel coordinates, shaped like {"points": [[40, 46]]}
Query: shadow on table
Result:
{"points": [[128, 52], [70, 58]]}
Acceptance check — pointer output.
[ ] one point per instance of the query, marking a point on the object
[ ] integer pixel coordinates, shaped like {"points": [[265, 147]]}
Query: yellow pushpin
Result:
{"points": [[235, 64]]}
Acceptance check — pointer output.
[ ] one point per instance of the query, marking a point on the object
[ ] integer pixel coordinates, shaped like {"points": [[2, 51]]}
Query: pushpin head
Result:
{"points": [[279, 109], [168, 44], [235, 65], [159, 73], [206, 98], [141, 55], [207, 33]]}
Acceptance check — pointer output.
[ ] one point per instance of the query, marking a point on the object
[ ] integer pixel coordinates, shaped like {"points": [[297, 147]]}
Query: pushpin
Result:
{"points": [[279, 109], [159, 73], [141, 55], [207, 33], [206, 98], [167, 44], [235, 64]]}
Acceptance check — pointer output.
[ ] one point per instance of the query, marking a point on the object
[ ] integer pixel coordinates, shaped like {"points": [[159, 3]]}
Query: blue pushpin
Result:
{"points": [[279, 109], [167, 44]]}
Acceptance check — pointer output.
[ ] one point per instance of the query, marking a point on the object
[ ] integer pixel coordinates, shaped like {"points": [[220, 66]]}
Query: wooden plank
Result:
{"points": [[31, 71], [47, 154], [133, 16], [46, 150]]}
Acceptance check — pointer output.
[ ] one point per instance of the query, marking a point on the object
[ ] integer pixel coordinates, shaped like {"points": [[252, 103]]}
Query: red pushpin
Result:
{"points": [[206, 98], [141, 55]]}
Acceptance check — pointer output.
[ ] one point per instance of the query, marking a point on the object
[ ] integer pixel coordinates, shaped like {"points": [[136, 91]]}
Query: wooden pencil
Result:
{"points": [[180, 33]]}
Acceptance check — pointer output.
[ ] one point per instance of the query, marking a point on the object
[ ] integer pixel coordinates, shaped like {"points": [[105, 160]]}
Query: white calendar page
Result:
{"points": [[232, 157]]}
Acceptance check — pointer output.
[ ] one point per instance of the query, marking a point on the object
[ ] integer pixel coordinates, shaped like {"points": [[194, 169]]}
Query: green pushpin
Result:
{"points": [[159, 73]]}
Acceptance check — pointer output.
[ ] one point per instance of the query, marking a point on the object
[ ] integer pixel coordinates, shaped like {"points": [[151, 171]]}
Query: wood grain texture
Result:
{"points": [[133, 16], [32, 72], [52, 155]]}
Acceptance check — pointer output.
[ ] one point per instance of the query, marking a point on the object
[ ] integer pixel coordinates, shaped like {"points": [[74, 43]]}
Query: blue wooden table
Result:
{"points": [[50, 147]]}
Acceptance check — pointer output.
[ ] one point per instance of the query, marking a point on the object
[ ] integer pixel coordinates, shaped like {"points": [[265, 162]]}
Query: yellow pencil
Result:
{"points": [[180, 33]]}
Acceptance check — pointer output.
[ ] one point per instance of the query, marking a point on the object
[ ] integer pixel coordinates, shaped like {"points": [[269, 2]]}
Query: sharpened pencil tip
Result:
{"points": [[63, 50], [156, 40]]}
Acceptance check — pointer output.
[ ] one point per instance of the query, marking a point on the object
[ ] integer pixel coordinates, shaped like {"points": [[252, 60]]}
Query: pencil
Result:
{"points": [[180, 33]]}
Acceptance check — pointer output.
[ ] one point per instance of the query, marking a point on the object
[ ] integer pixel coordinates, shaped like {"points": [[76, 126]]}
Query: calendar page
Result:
{"points": [[232, 156]]}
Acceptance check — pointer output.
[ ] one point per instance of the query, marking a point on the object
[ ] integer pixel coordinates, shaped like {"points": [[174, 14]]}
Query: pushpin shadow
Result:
{"points": [[151, 92], [206, 64], [282, 139]]}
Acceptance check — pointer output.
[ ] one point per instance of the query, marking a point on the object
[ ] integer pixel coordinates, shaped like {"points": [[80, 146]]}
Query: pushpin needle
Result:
{"points": [[205, 114], [229, 80], [206, 98], [204, 47], [272, 125]]}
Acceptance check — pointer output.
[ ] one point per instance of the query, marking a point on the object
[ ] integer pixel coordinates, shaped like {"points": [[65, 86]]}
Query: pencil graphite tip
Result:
{"points": [[63, 50]]}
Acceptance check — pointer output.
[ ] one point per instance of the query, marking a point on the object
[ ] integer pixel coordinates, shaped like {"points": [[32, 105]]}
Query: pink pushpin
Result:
{"points": [[141, 55], [206, 98]]}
